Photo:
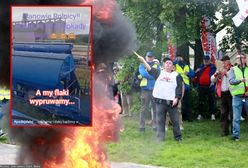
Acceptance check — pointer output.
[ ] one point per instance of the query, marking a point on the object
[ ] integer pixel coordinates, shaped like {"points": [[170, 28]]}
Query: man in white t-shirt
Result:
{"points": [[167, 92]]}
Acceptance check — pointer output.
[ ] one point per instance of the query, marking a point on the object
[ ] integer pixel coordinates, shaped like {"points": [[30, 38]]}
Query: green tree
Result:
{"points": [[185, 16], [234, 35], [181, 18], [149, 28], [125, 74]]}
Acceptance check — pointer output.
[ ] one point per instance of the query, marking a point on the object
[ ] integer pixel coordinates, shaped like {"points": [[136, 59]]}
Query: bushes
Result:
{"points": [[125, 74], [193, 100], [136, 105], [205, 109]]}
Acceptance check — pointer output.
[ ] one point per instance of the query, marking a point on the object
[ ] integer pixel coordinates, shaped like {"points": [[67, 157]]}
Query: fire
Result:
{"points": [[102, 9], [83, 148]]}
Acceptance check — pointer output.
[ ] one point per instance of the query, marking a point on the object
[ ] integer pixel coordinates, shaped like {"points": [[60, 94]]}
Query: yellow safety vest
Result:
{"points": [[144, 80], [181, 72], [4, 93], [239, 89]]}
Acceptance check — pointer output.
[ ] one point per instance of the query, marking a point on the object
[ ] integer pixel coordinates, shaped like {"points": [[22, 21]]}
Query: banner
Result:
{"points": [[239, 18], [242, 14], [204, 36], [171, 50]]}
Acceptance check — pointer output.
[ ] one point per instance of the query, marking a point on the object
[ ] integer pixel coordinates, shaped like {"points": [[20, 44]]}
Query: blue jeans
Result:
{"points": [[237, 104]]}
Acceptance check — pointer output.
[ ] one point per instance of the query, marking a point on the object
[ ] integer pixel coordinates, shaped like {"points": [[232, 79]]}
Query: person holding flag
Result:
{"points": [[238, 78], [222, 91]]}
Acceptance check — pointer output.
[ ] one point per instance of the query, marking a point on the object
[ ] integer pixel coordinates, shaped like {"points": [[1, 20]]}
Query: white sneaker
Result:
{"points": [[242, 118], [213, 117], [199, 117], [181, 128], [166, 129]]}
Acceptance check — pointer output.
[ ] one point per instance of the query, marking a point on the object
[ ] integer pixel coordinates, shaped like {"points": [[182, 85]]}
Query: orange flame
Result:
{"points": [[102, 9], [85, 151], [83, 148]]}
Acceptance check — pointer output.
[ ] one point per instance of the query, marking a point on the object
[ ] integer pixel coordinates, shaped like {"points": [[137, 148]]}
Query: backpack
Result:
{"points": [[136, 81]]}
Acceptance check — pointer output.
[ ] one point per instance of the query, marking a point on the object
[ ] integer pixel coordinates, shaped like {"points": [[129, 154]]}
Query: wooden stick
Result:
{"points": [[137, 54], [148, 67]]}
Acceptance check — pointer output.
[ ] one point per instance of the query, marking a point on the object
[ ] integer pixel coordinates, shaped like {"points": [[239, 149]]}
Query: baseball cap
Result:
{"points": [[225, 58], [167, 59], [149, 54]]}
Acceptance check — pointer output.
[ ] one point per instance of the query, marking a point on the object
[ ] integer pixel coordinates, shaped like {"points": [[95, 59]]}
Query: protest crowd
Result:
{"points": [[165, 93]]}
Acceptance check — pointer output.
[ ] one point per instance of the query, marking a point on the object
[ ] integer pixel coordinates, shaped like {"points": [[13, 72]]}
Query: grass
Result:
{"points": [[202, 146], [4, 139]]}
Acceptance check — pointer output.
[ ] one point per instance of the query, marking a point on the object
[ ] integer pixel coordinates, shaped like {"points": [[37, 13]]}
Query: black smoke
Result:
{"points": [[111, 41], [4, 44], [37, 144], [114, 40]]}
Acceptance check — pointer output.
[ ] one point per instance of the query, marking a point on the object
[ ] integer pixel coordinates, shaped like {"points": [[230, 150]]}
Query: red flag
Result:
{"points": [[213, 51], [204, 36], [171, 50]]}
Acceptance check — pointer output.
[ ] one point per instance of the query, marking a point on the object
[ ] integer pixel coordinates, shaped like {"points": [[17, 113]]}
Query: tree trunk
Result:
{"points": [[183, 50], [182, 45], [159, 39], [198, 46], [198, 53]]}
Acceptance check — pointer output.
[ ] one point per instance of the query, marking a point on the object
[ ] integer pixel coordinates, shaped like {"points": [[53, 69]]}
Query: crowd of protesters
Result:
{"points": [[165, 93]]}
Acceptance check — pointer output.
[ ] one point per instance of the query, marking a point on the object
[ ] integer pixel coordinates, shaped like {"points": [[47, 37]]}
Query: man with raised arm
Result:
{"points": [[167, 92]]}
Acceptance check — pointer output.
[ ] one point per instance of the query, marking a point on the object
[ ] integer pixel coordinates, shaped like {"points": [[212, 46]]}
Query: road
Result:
{"points": [[8, 155]]}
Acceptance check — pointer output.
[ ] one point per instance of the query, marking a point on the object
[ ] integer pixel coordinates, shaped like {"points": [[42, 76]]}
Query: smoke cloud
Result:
{"points": [[112, 39]]}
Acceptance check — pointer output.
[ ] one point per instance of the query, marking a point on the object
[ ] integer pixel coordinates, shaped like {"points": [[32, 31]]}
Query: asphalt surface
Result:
{"points": [[8, 153], [8, 156]]}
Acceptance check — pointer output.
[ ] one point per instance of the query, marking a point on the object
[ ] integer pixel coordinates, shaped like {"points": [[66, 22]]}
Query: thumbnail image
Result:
{"points": [[51, 66]]}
